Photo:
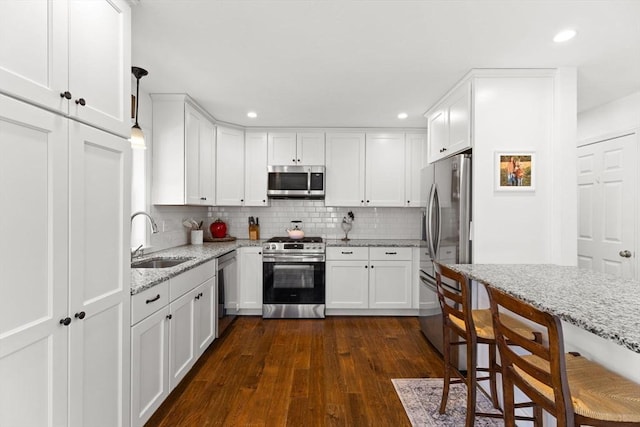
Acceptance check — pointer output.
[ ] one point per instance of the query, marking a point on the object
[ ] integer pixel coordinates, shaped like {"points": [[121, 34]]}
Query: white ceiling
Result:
{"points": [[358, 63]]}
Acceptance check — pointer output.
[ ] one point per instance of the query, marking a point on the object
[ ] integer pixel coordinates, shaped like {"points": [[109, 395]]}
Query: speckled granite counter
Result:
{"points": [[376, 242], [145, 278], [604, 305]]}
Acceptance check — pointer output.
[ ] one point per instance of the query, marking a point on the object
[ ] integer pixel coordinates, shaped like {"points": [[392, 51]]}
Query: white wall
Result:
{"points": [[609, 119], [530, 111]]}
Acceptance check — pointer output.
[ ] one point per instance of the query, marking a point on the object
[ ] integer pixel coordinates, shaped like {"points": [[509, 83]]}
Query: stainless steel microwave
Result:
{"points": [[296, 182]]}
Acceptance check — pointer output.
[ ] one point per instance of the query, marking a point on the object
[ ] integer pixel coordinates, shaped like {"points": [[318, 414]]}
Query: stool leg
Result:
{"points": [[471, 385], [493, 369], [446, 353]]}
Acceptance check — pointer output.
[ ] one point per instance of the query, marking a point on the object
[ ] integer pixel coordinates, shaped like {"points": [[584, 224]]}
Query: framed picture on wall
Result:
{"points": [[515, 170]]}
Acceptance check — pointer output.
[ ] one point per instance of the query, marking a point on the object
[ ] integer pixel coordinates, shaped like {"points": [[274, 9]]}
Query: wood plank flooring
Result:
{"points": [[303, 372]]}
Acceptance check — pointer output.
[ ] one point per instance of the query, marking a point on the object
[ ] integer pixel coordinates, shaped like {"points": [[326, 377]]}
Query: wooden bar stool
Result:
{"points": [[473, 327], [573, 389]]}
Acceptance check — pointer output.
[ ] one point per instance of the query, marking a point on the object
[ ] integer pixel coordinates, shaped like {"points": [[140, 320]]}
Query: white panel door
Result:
{"points": [[181, 337], [607, 206], [282, 149], [99, 291], [255, 169], [385, 169], [310, 148], [250, 270], [192, 121], [347, 284], [207, 163], [415, 161], [33, 51], [229, 167], [390, 284], [100, 63], [33, 262], [149, 365], [205, 315], [345, 169]]}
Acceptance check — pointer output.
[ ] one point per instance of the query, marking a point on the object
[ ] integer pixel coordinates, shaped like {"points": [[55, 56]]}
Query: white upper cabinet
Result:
{"points": [[183, 153], [290, 148], [345, 178], [449, 123], [255, 169], [385, 169], [230, 167], [416, 147], [73, 57]]}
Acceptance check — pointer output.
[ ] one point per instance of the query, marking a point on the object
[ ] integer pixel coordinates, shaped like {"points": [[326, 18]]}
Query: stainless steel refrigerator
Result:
{"points": [[446, 228]]}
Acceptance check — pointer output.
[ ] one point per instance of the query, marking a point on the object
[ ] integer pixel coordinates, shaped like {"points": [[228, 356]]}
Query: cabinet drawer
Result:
{"points": [[183, 283], [346, 253], [386, 254], [149, 301]]}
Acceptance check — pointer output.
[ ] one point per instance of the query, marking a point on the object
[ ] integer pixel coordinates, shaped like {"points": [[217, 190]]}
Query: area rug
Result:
{"points": [[421, 400]]}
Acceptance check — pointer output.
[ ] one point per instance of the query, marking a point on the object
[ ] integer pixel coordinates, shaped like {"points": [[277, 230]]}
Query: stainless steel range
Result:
{"points": [[293, 278]]}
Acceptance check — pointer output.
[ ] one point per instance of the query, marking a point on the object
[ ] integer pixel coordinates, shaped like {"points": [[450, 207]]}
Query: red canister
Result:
{"points": [[218, 229]]}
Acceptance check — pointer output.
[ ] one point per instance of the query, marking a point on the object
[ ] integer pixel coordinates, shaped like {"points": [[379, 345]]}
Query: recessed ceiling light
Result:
{"points": [[403, 116], [252, 114], [564, 35]]}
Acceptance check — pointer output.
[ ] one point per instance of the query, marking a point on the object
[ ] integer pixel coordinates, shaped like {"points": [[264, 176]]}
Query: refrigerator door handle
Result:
{"points": [[436, 243], [429, 221]]}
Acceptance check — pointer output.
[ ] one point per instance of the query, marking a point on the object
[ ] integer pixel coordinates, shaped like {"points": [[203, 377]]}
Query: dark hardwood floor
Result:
{"points": [[292, 372]]}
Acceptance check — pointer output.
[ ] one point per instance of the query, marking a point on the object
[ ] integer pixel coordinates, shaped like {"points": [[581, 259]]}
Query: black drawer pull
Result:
{"points": [[347, 252], [156, 298], [391, 253]]}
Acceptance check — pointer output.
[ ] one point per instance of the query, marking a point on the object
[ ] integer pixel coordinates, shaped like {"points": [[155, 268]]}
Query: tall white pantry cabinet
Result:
{"points": [[65, 196]]}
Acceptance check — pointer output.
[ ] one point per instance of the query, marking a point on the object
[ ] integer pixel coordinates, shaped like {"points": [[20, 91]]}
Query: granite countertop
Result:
{"points": [[604, 305], [145, 278], [376, 242]]}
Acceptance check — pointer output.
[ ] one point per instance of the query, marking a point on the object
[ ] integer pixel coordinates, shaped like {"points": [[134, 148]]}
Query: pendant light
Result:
{"points": [[137, 137]]}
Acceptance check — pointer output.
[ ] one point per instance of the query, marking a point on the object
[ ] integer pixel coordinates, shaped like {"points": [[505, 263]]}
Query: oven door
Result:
{"points": [[293, 282]]}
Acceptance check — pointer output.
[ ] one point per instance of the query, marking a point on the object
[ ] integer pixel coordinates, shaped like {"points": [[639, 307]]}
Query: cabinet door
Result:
{"points": [[192, 120], [149, 366], [438, 133], [99, 294], [459, 110], [229, 167], [390, 284], [414, 159], [207, 163], [310, 148], [182, 347], [282, 149], [250, 268], [33, 293], [347, 284], [205, 315], [385, 170], [100, 63], [345, 169], [255, 170], [33, 52]]}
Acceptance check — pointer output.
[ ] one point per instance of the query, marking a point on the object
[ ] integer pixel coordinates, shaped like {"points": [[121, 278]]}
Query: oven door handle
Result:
{"points": [[293, 258]]}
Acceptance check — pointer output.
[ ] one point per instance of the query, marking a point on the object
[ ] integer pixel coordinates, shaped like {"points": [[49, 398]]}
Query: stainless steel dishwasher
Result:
{"points": [[227, 291]]}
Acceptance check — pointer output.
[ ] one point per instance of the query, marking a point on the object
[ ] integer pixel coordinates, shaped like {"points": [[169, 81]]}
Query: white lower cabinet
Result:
{"points": [[176, 322], [250, 272], [369, 278]]}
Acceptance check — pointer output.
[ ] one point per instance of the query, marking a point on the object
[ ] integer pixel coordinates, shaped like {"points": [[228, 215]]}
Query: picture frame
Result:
{"points": [[515, 171]]}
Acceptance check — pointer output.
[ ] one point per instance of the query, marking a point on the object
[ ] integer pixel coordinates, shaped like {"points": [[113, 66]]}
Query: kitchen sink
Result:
{"points": [[159, 262]]}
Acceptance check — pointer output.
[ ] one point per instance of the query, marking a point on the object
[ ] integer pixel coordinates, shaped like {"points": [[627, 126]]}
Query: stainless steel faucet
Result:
{"points": [[154, 230]]}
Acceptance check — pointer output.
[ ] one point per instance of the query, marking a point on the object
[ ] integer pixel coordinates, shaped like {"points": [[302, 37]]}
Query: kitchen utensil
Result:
{"points": [[295, 232], [188, 223]]}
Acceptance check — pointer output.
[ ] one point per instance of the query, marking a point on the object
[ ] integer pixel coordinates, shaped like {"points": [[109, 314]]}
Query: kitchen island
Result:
{"points": [[600, 313]]}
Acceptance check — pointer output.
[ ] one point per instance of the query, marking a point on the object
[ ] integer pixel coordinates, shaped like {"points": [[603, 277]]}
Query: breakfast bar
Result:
{"points": [[600, 313]]}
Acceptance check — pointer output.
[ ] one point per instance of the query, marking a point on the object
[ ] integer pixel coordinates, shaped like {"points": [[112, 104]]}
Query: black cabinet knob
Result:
{"points": [[293, 160], [366, 266], [169, 316], [81, 101], [66, 321], [66, 94], [203, 198], [372, 266], [80, 315]]}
